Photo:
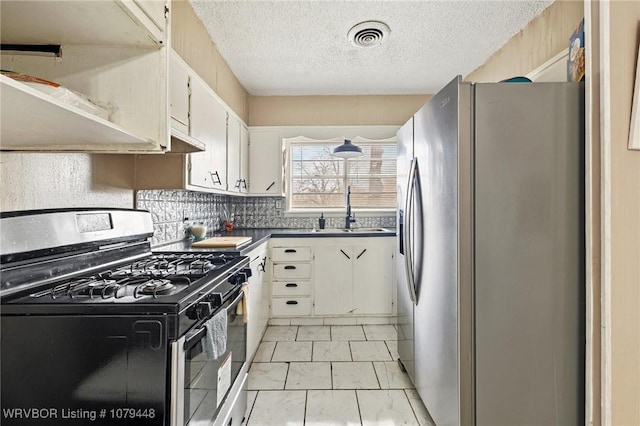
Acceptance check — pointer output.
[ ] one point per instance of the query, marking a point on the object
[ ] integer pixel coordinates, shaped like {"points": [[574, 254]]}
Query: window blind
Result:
{"points": [[318, 180]]}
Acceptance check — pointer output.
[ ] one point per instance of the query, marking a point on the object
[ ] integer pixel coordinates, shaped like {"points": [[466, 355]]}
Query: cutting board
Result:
{"points": [[222, 242]]}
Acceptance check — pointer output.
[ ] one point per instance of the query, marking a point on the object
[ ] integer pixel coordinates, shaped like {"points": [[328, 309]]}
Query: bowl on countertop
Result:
{"points": [[198, 232]]}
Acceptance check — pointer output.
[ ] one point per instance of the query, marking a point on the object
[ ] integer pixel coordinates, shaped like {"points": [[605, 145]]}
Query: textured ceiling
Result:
{"points": [[301, 47]]}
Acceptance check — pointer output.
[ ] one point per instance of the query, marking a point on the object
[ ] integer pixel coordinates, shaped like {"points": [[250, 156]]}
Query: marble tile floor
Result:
{"points": [[331, 376]]}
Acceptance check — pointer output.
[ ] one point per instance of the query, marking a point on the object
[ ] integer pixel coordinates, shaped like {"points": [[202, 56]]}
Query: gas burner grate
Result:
{"points": [[91, 287], [154, 287], [160, 274]]}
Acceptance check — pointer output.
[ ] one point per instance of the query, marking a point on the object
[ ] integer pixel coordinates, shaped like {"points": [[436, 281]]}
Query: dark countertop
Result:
{"points": [[260, 235]]}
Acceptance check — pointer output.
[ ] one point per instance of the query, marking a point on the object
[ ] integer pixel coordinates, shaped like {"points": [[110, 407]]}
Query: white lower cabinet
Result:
{"points": [[291, 279], [258, 299], [348, 276], [333, 280], [291, 306], [353, 276]]}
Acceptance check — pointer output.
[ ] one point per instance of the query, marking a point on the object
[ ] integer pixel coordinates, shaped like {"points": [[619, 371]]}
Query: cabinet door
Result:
{"points": [[265, 163], [332, 283], [202, 128], [233, 155], [208, 125], [178, 93], [244, 158], [154, 9], [372, 278], [219, 151], [258, 309]]}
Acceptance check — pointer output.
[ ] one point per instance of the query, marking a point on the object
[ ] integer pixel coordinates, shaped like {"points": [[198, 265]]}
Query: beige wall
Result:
{"points": [[539, 41], [193, 43], [622, 208], [333, 110]]}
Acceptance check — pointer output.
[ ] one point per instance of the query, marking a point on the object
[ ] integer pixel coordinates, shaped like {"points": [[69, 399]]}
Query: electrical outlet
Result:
{"points": [[278, 213], [278, 204]]}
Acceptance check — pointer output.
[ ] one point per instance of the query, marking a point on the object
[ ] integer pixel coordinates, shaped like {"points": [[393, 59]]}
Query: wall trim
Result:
{"points": [[593, 309], [605, 185]]}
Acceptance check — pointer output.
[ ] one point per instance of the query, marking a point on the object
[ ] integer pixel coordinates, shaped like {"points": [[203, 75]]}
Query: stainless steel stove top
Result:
{"points": [[156, 277], [100, 257]]}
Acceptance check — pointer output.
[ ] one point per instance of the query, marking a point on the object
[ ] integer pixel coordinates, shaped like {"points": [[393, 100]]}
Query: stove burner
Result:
{"points": [[154, 287], [201, 264]]}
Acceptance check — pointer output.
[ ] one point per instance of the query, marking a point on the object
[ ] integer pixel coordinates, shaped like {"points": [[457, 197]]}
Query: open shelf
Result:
{"points": [[105, 22], [31, 120]]}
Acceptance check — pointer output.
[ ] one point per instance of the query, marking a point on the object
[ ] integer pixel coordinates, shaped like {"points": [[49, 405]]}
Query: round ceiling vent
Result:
{"points": [[368, 34]]}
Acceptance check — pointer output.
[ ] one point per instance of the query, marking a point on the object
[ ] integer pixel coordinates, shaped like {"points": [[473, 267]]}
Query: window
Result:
{"points": [[317, 181]]}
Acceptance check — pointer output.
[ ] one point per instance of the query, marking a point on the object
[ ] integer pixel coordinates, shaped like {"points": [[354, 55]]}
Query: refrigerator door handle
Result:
{"points": [[408, 230]]}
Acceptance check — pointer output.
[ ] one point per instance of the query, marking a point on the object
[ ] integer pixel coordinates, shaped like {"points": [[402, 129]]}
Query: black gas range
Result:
{"points": [[97, 328]]}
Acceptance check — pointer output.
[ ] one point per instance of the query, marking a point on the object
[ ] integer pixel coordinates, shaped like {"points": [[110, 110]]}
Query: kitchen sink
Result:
{"points": [[351, 230], [366, 230]]}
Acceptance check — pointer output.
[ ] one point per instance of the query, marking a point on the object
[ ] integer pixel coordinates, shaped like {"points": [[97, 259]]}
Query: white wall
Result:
{"points": [[38, 181]]}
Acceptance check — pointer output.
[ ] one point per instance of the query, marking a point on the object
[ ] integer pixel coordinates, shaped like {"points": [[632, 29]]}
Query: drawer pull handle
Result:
{"points": [[270, 186], [345, 254], [292, 302], [361, 253], [291, 285], [289, 267], [290, 251]]}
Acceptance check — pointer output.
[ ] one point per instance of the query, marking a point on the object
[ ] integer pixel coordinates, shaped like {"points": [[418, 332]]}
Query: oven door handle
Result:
{"points": [[194, 337], [235, 303]]}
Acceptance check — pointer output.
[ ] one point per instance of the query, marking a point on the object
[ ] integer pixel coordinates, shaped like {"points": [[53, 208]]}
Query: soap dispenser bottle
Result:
{"points": [[321, 221]]}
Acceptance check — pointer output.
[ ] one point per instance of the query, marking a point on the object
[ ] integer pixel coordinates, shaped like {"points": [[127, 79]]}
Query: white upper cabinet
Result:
{"points": [[219, 148], [233, 155], [237, 156], [180, 105], [208, 125], [244, 158], [179, 93], [206, 140], [265, 163], [110, 54]]}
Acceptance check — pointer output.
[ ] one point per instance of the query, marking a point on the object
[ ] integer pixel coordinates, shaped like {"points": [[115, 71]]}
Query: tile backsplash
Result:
{"points": [[173, 211]]}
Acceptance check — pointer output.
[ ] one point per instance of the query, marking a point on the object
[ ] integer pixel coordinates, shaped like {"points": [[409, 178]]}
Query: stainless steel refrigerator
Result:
{"points": [[491, 254]]}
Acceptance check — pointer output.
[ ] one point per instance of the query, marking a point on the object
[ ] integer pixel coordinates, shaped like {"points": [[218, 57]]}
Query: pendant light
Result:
{"points": [[347, 150]]}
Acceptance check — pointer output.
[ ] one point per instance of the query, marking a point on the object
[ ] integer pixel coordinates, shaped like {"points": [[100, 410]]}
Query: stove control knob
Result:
{"points": [[214, 299], [201, 310]]}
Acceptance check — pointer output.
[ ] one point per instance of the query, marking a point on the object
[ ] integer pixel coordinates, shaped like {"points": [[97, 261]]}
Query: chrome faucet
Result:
{"points": [[350, 218]]}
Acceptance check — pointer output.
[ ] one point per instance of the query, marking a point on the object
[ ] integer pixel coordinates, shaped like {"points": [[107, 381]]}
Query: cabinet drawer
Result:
{"points": [[291, 270], [291, 288], [290, 306], [287, 254]]}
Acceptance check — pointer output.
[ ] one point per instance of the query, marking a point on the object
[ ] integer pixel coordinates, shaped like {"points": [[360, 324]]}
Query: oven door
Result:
{"points": [[200, 386]]}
